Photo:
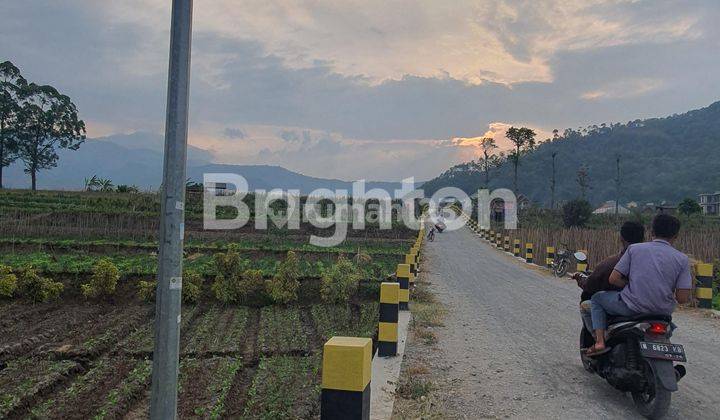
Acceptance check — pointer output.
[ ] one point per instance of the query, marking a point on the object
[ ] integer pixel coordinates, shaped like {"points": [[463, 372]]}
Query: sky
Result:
{"points": [[373, 89]]}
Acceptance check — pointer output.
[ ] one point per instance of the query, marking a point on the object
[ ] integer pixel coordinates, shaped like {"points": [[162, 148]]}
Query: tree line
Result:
{"points": [[35, 122]]}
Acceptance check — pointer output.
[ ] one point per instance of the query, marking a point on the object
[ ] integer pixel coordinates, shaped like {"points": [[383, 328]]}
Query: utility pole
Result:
{"points": [[552, 183], [617, 184], [163, 400]]}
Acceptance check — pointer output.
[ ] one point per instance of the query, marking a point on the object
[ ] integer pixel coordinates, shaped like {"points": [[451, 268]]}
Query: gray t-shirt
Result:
{"points": [[654, 270]]}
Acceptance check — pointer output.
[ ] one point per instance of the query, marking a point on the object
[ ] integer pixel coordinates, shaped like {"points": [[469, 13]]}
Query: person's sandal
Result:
{"points": [[593, 352]]}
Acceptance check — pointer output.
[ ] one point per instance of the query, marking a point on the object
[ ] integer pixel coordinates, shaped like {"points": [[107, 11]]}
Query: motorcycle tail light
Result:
{"points": [[658, 328]]}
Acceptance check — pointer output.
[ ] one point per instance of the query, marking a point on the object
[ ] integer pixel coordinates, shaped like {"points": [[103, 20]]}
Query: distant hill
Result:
{"points": [[137, 159], [661, 159]]}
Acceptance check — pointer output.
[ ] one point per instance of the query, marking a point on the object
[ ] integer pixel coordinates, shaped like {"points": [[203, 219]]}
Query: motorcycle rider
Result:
{"points": [[653, 276], [599, 279]]}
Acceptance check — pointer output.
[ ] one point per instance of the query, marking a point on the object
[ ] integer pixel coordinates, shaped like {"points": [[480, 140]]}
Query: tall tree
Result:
{"points": [[10, 84], [523, 139], [552, 182], [583, 180], [47, 121], [488, 145]]}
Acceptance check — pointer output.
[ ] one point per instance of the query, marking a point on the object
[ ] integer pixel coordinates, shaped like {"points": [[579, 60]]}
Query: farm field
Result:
{"points": [[87, 357]]}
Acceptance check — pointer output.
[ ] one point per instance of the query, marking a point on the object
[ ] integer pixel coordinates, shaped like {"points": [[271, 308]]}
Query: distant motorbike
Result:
{"points": [[641, 360], [564, 259]]}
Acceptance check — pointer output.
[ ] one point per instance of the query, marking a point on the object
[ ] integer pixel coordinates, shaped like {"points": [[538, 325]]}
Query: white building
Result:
{"points": [[710, 203], [608, 207]]}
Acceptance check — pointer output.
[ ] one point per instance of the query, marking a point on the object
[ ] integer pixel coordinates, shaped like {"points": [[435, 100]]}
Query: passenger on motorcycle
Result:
{"points": [[599, 279], [654, 277]]}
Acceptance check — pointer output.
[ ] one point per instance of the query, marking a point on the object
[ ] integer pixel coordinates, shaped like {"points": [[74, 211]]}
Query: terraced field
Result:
{"points": [[78, 357]]}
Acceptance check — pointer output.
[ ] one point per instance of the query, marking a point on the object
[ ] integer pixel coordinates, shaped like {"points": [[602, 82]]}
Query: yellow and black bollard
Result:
{"points": [[404, 277], [550, 256], [704, 289], [499, 240], [388, 326], [410, 260], [529, 252], [491, 238], [506, 246], [582, 265], [346, 371], [516, 247]]}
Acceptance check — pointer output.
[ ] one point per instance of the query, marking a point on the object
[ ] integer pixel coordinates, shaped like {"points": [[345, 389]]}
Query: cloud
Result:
{"points": [[371, 89], [233, 133]]}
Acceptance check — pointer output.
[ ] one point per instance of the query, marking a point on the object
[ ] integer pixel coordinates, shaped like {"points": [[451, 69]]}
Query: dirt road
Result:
{"points": [[509, 347]]}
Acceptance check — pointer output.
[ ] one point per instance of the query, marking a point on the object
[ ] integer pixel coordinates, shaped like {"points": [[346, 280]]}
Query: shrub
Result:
{"points": [[146, 290], [339, 282], [284, 285], [251, 288], [8, 282], [36, 288], [103, 281], [192, 287], [232, 283], [576, 213]]}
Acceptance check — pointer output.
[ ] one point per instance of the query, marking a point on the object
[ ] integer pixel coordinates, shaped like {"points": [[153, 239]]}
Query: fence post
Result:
{"points": [[550, 256], [516, 247], [582, 266], [704, 289], [404, 275], [529, 252], [346, 371], [388, 326]]}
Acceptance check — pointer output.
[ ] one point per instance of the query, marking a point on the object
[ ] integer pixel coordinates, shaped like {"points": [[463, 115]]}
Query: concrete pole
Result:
{"points": [[163, 401]]}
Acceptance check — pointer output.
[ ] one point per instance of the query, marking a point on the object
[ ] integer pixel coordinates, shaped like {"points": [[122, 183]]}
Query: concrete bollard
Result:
{"points": [[388, 326], [346, 371], [491, 238], [582, 266], [506, 245], [499, 240], [410, 260], [516, 247], [704, 289], [550, 256], [404, 275], [529, 252]]}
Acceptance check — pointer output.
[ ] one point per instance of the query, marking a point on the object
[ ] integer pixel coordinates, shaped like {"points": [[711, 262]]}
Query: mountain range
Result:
{"points": [[661, 159], [137, 159]]}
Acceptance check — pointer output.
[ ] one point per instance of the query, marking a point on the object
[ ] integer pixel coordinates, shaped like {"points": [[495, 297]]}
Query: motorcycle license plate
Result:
{"points": [[665, 351]]}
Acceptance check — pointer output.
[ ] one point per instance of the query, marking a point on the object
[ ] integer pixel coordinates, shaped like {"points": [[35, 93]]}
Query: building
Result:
{"points": [[608, 207], [710, 203]]}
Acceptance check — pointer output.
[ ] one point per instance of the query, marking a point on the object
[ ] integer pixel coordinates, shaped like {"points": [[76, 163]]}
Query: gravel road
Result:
{"points": [[509, 347]]}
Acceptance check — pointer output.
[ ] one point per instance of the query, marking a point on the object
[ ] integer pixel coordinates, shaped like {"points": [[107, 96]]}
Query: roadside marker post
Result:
{"points": [[498, 240], [410, 260], [529, 252], [550, 256], [704, 289], [516, 247], [346, 375], [506, 247], [403, 275], [582, 266], [389, 313]]}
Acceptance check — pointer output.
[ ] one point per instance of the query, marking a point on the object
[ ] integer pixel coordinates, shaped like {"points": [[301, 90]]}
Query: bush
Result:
{"points": [[192, 287], [8, 282], [284, 285], [36, 288], [248, 287], [339, 282], [103, 281], [576, 213], [146, 290]]}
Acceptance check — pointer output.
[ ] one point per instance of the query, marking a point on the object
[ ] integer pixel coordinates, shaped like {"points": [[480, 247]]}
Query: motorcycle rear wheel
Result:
{"points": [[561, 268], [654, 402]]}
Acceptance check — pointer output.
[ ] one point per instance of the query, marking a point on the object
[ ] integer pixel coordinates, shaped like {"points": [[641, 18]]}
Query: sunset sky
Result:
{"points": [[372, 89]]}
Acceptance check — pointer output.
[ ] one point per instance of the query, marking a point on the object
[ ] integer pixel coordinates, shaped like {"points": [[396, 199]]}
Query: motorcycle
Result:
{"points": [[641, 360], [564, 259]]}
